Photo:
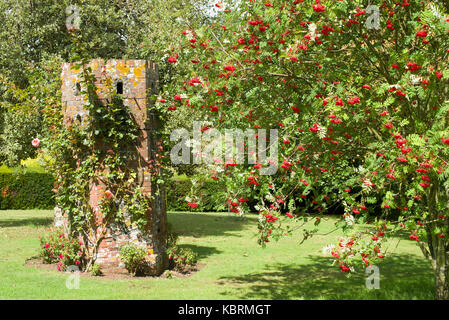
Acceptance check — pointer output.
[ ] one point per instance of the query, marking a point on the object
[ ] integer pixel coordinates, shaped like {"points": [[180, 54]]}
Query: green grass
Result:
{"points": [[235, 266]]}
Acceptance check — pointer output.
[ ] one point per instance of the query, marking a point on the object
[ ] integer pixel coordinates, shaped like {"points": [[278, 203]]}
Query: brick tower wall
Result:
{"points": [[137, 79]]}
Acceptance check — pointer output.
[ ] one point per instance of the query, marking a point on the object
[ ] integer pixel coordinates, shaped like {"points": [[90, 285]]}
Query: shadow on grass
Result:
{"points": [[203, 224], [202, 251], [401, 277], [26, 222]]}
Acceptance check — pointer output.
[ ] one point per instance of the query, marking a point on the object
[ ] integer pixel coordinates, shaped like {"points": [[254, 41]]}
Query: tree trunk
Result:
{"points": [[438, 249], [441, 269], [441, 283]]}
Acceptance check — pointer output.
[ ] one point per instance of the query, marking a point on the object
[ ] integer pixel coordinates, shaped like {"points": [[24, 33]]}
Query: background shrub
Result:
{"points": [[26, 190], [56, 247], [134, 259]]}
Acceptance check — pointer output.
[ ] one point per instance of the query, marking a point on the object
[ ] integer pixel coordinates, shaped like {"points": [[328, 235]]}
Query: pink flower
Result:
{"points": [[36, 142], [47, 246], [108, 194], [77, 262]]}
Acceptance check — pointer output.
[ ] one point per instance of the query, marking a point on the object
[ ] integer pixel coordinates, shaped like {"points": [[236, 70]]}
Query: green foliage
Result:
{"points": [[134, 259], [16, 133], [95, 270], [29, 190], [179, 258]]}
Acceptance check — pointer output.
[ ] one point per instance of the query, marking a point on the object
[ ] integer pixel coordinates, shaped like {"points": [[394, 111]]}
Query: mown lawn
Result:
{"points": [[235, 266]]}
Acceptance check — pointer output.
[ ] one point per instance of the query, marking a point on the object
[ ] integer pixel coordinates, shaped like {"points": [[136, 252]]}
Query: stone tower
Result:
{"points": [[135, 81]]}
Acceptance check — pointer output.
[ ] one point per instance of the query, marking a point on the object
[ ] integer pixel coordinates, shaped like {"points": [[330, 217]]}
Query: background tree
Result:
{"points": [[35, 33]]}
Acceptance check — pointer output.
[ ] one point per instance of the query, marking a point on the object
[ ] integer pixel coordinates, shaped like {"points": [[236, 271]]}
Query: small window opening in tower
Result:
{"points": [[119, 87], [77, 89]]}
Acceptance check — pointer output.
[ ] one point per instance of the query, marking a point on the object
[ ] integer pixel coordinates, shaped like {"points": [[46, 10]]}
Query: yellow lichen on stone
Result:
{"points": [[122, 68], [94, 65], [138, 71]]}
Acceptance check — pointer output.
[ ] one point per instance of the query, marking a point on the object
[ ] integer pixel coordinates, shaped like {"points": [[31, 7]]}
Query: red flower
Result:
{"points": [[295, 109], [318, 8], [192, 205], [422, 33], [108, 194], [229, 68], [344, 268], [255, 22], [314, 128], [354, 100]]}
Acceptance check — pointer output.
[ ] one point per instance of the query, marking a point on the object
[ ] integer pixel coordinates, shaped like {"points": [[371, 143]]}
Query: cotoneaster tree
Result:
{"points": [[361, 109]]}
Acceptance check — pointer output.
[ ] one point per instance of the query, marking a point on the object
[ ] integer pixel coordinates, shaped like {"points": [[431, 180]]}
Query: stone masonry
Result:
{"points": [[135, 81]]}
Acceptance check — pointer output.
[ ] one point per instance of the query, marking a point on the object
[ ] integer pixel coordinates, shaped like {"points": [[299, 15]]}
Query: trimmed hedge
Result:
{"points": [[29, 190], [32, 190], [179, 187]]}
